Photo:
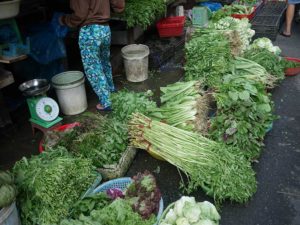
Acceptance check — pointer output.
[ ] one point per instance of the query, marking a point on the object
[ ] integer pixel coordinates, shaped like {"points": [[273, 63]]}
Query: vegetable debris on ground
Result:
{"points": [[49, 184], [184, 105], [221, 171]]}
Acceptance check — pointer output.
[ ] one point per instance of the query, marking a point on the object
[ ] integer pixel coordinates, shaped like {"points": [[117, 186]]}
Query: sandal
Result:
{"points": [[106, 109], [285, 35]]}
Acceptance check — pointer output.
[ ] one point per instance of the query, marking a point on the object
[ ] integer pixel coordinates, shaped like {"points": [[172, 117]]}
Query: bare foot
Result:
{"points": [[99, 107]]}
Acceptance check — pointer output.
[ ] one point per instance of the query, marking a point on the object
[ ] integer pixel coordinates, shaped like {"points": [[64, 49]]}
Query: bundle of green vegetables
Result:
{"points": [[118, 212], [250, 70], [244, 114], [184, 105], [8, 189], [143, 12], [137, 206], [220, 170], [271, 62], [100, 139], [208, 58], [49, 184], [187, 211], [243, 27], [127, 102]]}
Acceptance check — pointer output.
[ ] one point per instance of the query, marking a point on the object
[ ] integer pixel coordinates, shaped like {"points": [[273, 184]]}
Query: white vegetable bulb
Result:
{"points": [[171, 217], [182, 221], [191, 212], [180, 204], [209, 211], [205, 222]]}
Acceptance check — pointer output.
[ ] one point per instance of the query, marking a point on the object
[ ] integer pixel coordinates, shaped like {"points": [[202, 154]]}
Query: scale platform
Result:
{"points": [[35, 124]]}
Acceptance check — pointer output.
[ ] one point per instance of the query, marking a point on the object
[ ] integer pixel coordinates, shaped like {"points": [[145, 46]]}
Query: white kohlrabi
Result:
{"points": [[178, 208], [191, 212], [182, 221], [170, 217], [164, 223], [209, 211]]}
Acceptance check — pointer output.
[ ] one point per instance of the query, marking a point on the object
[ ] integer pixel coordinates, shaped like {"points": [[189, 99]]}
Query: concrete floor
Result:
{"points": [[277, 201]]}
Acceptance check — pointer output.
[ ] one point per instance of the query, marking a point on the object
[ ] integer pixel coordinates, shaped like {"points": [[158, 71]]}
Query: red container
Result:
{"points": [[171, 26], [292, 71], [248, 16], [61, 128]]}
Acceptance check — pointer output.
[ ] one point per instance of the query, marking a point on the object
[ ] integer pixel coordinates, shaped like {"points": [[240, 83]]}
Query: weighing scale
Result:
{"points": [[44, 111]]}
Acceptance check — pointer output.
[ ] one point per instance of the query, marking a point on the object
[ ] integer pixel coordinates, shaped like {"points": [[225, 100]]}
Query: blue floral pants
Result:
{"points": [[94, 44]]}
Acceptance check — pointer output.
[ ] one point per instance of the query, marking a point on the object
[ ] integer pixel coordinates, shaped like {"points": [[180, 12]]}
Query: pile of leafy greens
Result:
{"points": [[208, 58], [244, 114], [100, 139], [49, 184], [8, 189], [143, 12], [127, 102], [118, 212]]}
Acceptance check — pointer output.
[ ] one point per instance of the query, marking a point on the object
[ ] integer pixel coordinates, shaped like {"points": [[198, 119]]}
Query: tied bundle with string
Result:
{"points": [[220, 170]]}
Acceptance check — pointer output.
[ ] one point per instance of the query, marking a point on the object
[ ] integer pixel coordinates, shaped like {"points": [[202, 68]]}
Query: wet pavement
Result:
{"points": [[277, 201]]}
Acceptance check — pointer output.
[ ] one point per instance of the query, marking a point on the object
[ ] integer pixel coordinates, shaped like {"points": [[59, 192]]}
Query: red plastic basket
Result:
{"points": [[60, 128], [171, 26], [248, 16], [292, 71]]}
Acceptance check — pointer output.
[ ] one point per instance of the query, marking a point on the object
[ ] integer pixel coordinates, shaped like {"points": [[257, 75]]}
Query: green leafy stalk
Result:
{"points": [[220, 170]]}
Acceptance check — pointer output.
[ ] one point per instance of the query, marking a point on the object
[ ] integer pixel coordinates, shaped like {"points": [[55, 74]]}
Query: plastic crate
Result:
{"points": [[272, 8], [171, 26], [266, 26]]}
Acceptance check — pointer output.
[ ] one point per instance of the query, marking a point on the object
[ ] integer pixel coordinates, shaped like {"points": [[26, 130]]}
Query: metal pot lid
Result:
{"points": [[34, 87]]}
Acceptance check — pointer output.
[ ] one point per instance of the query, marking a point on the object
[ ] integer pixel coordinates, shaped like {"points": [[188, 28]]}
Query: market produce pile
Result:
{"points": [[143, 12], [223, 68], [187, 211], [137, 205]]}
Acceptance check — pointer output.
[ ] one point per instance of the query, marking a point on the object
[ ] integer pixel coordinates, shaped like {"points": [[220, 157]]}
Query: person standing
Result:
{"points": [[92, 17], [287, 32]]}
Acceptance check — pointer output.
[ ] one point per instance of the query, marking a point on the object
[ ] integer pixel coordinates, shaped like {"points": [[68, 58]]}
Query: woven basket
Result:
{"points": [[122, 184]]}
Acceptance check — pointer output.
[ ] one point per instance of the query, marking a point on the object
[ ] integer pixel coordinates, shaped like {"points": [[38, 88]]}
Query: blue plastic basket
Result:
{"points": [[122, 183]]}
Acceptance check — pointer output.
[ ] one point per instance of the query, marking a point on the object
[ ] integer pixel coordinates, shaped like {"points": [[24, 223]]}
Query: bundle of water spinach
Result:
{"points": [[221, 171]]}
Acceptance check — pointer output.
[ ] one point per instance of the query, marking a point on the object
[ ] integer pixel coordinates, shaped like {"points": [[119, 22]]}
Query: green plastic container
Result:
{"points": [[200, 16]]}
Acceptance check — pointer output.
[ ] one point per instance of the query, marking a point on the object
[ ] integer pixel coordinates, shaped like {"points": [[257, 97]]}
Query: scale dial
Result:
{"points": [[47, 109]]}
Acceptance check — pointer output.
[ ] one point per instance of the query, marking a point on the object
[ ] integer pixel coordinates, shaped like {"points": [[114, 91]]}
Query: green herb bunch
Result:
{"points": [[143, 12], [244, 114], [49, 184], [127, 102], [208, 58]]}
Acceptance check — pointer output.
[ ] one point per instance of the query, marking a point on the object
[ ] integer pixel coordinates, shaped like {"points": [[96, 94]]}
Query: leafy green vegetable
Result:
{"points": [[203, 160], [208, 58], [118, 212], [271, 62], [88, 204], [101, 139], [7, 195], [143, 12], [49, 184], [244, 113], [127, 102]]}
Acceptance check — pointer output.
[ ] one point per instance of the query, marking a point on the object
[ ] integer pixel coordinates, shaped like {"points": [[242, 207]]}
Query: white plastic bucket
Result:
{"points": [[9, 215], [136, 58], [70, 91], [9, 9]]}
